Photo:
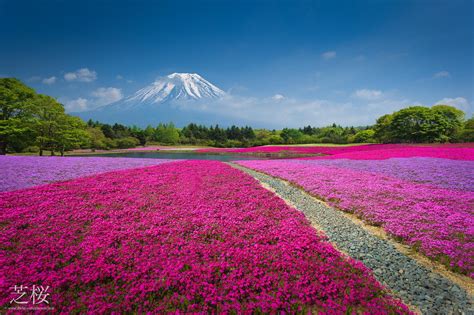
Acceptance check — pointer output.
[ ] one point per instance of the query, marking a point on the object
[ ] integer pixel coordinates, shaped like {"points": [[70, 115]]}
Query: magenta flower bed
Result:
{"points": [[366, 152], [17, 172], [193, 236], [452, 153], [446, 173], [437, 221], [302, 149]]}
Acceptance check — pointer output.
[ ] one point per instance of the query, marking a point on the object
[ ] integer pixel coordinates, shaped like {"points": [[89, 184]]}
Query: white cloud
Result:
{"points": [[328, 55], [77, 105], [388, 106], [369, 95], [278, 97], [49, 81], [458, 102], [70, 76], [105, 96], [100, 97], [442, 74], [81, 75], [119, 77], [296, 112]]}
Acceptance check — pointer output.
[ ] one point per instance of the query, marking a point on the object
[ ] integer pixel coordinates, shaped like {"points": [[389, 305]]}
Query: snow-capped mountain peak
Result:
{"points": [[176, 86]]}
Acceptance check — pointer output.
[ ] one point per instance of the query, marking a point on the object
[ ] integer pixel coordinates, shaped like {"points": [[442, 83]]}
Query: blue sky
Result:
{"points": [[312, 61]]}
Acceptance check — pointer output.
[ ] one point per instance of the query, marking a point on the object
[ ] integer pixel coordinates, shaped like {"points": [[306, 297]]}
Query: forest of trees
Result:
{"points": [[31, 122]]}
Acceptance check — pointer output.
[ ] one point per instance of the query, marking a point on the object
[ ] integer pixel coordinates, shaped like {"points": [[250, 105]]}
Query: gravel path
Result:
{"points": [[416, 285]]}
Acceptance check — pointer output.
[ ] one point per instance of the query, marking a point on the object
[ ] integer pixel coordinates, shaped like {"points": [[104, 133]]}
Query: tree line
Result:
{"points": [[31, 122]]}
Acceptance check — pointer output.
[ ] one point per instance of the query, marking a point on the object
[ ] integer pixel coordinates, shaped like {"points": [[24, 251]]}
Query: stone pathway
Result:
{"points": [[413, 283]]}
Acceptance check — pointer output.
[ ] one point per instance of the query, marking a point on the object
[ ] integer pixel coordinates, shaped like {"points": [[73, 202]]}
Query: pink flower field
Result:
{"points": [[365, 152], [446, 173], [387, 152], [300, 149], [438, 221], [192, 236]]}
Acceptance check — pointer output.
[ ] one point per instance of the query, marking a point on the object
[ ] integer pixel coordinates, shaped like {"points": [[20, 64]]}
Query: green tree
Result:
{"points": [[73, 134], [139, 133], [166, 133], [120, 131], [454, 118], [467, 134], [418, 124], [275, 139], [48, 123], [234, 133], [16, 112], [382, 128], [149, 131], [291, 135], [54, 130], [127, 142], [97, 138], [218, 135], [108, 131], [332, 134], [364, 136], [248, 133]]}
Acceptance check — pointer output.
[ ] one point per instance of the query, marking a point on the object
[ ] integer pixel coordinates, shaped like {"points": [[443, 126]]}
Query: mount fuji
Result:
{"points": [[175, 97], [174, 87]]}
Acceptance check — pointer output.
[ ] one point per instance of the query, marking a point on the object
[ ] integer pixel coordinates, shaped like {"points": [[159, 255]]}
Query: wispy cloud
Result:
{"points": [[328, 55], [278, 97], [105, 96], [44, 80], [442, 74], [49, 81], [369, 95], [458, 102], [81, 75], [297, 112], [99, 97], [76, 105]]}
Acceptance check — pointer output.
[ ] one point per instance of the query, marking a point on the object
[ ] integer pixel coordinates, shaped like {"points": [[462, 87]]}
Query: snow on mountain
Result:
{"points": [[174, 87], [176, 97]]}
